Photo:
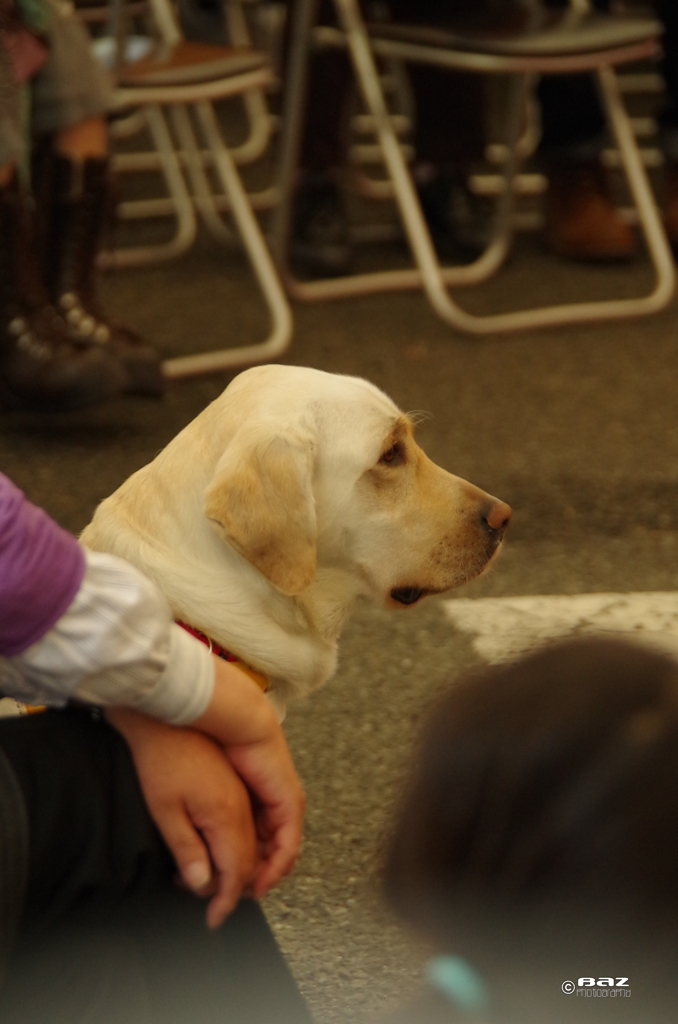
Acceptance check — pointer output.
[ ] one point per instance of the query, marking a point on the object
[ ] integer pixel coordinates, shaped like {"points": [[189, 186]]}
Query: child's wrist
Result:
{"points": [[238, 712]]}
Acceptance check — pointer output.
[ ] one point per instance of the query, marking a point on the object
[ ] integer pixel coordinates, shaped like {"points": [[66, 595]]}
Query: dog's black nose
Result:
{"points": [[496, 517]]}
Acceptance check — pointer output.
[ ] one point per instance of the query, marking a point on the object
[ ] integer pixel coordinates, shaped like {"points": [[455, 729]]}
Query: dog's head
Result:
{"points": [[322, 471]]}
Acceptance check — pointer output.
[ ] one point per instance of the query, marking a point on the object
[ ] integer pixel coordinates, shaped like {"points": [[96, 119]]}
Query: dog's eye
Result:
{"points": [[394, 456]]}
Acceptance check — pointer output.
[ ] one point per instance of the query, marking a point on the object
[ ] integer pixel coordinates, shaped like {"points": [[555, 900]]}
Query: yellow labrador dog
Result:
{"points": [[292, 494]]}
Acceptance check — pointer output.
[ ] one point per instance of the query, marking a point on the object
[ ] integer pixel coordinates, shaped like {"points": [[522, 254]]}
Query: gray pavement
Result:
{"points": [[576, 428]]}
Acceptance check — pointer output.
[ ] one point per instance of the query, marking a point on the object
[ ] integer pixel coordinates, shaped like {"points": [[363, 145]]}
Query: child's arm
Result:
{"points": [[244, 722], [195, 797], [199, 804]]}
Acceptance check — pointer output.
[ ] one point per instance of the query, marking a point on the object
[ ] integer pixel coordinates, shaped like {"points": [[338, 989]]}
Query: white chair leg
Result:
{"points": [[262, 264], [203, 196], [258, 117], [643, 197], [209, 205], [261, 129], [135, 256]]}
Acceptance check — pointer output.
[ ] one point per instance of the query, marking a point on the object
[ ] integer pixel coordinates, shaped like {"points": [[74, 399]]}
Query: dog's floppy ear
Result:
{"points": [[261, 498]]}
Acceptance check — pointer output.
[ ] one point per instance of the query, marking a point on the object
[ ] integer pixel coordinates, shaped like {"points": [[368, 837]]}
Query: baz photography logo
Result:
{"points": [[598, 988]]}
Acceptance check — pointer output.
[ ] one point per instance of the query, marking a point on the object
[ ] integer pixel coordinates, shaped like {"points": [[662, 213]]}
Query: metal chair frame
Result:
{"points": [[189, 104], [193, 162], [429, 274]]}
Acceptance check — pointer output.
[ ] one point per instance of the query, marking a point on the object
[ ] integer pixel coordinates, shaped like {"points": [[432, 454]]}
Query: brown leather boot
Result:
{"points": [[41, 365], [73, 200], [581, 220]]}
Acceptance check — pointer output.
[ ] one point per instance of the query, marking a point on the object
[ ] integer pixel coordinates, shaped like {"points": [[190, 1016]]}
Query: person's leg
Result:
{"points": [[91, 839], [155, 963], [202, 21], [40, 365], [668, 12], [320, 234], [669, 115], [319, 243], [448, 134], [13, 860], [85, 140], [104, 928], [71, 184], [88, 847], [450, 127], [581, 219]]}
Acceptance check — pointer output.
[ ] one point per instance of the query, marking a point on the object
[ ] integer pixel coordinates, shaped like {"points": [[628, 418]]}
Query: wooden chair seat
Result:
{"points": [[186, 63], [543, 32]]}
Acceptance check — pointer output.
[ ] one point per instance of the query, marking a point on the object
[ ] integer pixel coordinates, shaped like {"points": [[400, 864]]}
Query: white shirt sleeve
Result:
{"points": [[116, 644]]}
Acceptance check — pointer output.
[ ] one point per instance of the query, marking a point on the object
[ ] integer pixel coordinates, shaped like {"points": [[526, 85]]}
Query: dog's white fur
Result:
{"points": [[271, 512]]}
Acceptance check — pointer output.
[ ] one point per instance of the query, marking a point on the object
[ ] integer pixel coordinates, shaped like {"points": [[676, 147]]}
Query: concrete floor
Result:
{"points": [[577, 429]]}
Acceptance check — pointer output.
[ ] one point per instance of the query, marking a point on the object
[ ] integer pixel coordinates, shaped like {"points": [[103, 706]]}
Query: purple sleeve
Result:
{"points": [[41, 569]]}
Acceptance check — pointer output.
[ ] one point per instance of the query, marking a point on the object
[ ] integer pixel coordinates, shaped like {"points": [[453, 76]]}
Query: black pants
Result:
{"points": [[449, 126], [105, 934]]}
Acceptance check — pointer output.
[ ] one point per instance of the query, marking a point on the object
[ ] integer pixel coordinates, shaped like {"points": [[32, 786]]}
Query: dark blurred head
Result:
{"points": [[542, 818]]}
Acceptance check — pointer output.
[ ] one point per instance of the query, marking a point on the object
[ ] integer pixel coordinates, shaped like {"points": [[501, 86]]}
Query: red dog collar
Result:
{"points": [[221, 652]]}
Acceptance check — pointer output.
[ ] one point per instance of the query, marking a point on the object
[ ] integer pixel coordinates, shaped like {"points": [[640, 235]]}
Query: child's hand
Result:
{"points": [[243, 721], [200, 806], [279, 803]]}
